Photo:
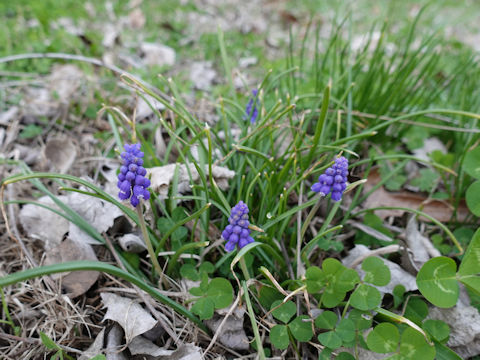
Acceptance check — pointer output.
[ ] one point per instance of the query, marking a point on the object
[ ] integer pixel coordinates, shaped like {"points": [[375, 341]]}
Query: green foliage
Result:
{"points": [[279, 336], [471, 164], [365, 297], [473, 198], [437, 281], [438, 329], [376, 272], [384, 338], [300, 327], [426, 180], [334, 279], [217, 294]]}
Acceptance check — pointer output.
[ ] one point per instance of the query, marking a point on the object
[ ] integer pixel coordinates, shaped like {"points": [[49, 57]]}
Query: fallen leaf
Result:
{"points": [[202, 75], [185, 352], [421, 248], [99, 213], [60, 154], [136, 19], [429, 146], [115, 345], [34, 218], [438, 209], [232, 333], [64, 81], [157, 54], [95, 348], [128, 314], [161, 176], [142, 346], [74, 283], [144, 109], [7, 116], [132, 243]]}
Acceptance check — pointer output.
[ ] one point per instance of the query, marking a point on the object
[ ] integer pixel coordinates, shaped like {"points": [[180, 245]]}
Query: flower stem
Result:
{"points": [[244, 268], [146, 237]]}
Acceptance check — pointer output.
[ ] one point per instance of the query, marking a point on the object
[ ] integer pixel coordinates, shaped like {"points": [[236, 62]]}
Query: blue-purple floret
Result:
{"points": [[251, 111], [131, 180], [237, 232], [333, 180]]}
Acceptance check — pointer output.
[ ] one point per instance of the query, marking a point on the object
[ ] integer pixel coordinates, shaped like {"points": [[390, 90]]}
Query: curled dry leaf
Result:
{"points": [[157, 54], [144, 108], [133, 318], [161, 177], [439, 209], [7, 116], [142, 346], [132, 243], [202, 75], [232, 334], [60, 154], [398, 275], [74, 283], [100, 214], [115, 344], [95, 348], [421, 247], [65, 81], [33, 219]]}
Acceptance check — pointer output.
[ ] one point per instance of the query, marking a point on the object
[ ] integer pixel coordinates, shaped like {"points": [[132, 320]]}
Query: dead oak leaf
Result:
{"points": [[133, 318]]}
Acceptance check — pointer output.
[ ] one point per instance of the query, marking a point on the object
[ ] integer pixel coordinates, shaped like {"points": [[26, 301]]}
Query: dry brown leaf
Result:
{"points": [[65, 81], [74, 283], [438, 209], [95, 348], [60, 154], [133, 318], [421, 248], [232, 334], [142, 346], [34, 218], [132, 243], [157, 54], [115, 344], [161, 176]]}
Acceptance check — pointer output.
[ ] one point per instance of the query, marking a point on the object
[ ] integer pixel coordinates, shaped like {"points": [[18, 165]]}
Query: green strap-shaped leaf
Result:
{"points": [[102, 267]]}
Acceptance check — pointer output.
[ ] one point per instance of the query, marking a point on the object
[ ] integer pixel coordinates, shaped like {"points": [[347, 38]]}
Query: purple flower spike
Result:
{"points": [[251, 111], [333, 180], [237, 232], [131, 180]]}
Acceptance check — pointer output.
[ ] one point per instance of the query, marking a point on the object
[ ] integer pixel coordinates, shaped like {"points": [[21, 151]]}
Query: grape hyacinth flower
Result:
{"points": [[251, 113], [333, 180], [237, 232], [131, 180]]}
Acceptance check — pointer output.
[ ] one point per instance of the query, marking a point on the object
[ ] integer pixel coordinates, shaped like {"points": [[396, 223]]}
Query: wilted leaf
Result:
{"points": [[161, 177], [95, 348], [232, 334], [128, 314], [60, 154], [74, 283], [132, 243], [141, 346], [157, 54]]}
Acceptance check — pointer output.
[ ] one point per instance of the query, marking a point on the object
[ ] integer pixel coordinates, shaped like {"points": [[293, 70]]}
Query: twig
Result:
{"points": [[380, 251]]}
